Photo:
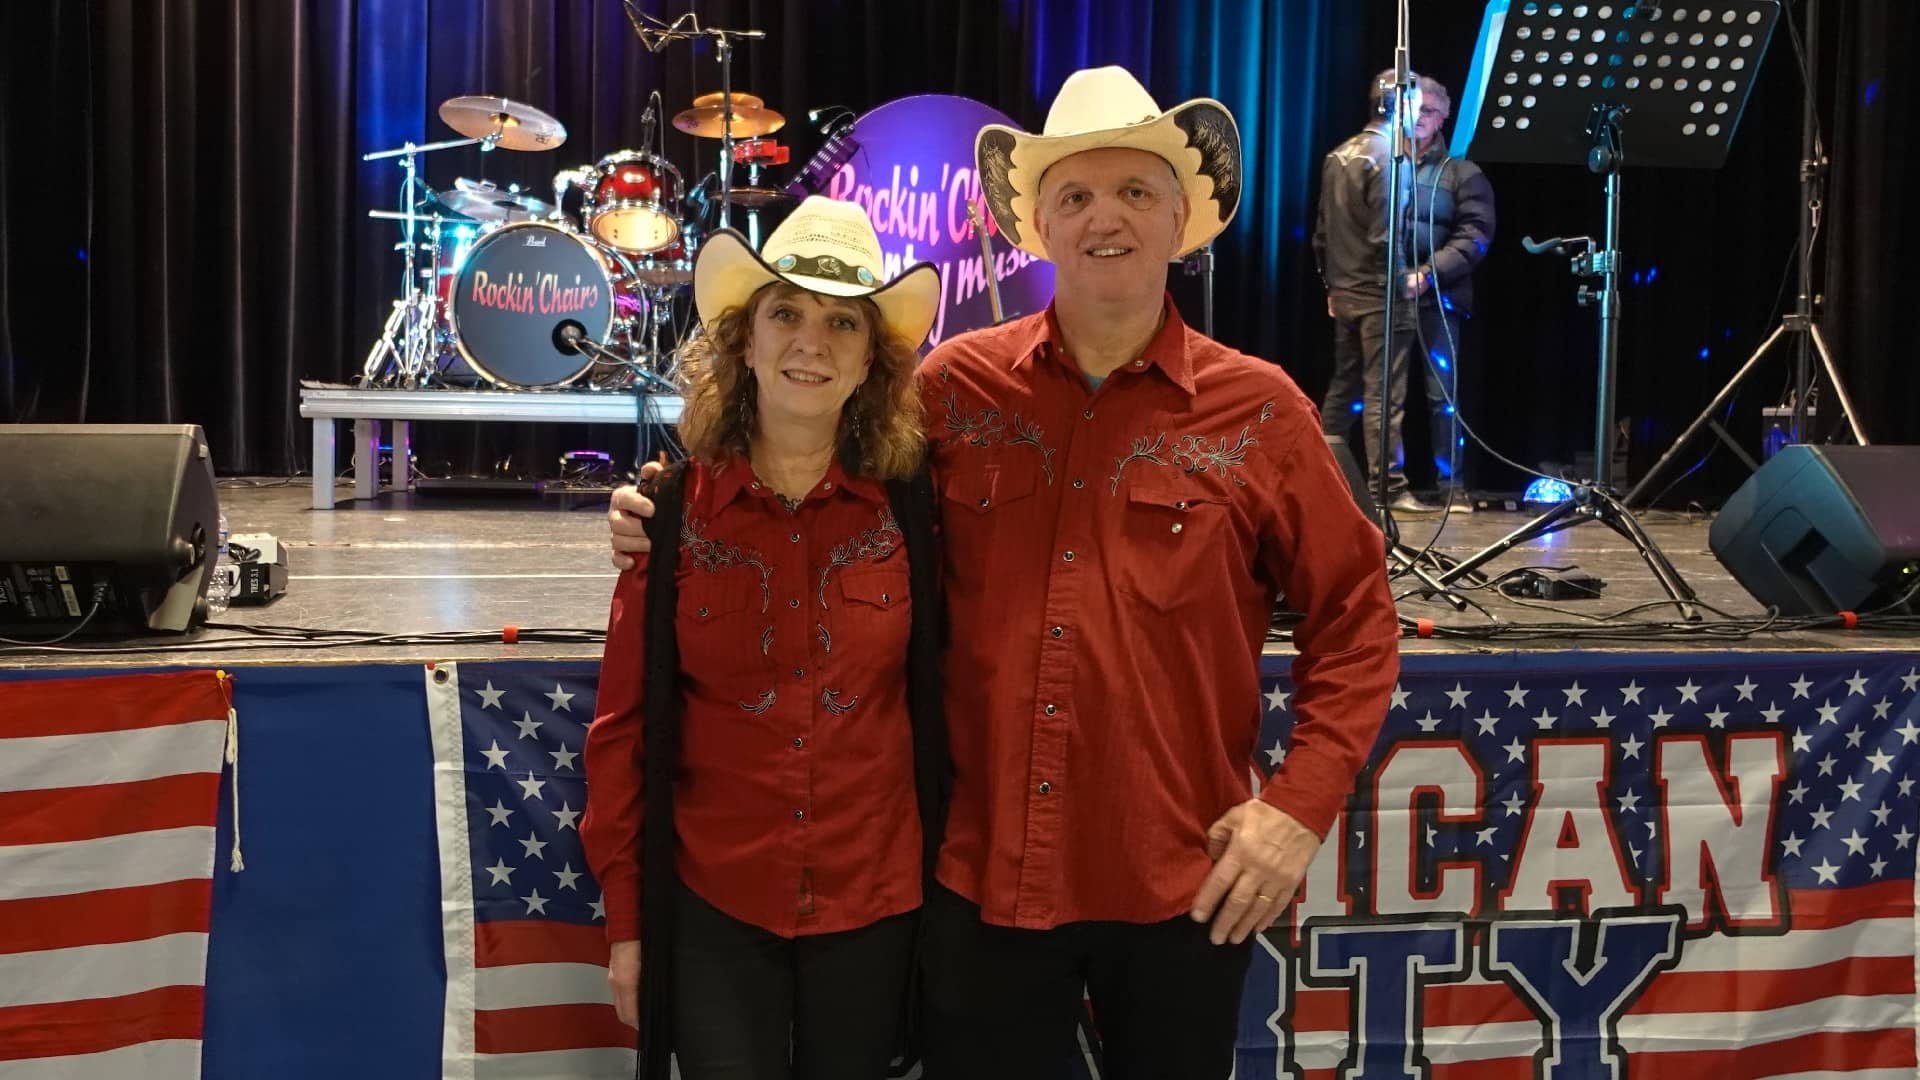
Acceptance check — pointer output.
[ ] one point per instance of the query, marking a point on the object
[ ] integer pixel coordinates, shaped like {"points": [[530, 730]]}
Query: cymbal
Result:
{"points": [[518, 126], [741, 99], [759, 198], [482, 200], [704, 121]]}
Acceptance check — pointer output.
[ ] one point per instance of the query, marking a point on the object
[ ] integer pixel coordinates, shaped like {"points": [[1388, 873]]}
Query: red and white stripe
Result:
{"points": [[1832, 998], [109, 791], [526, 1000]]}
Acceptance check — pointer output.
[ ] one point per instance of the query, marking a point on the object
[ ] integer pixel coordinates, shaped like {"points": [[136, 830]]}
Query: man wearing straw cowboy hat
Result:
{"points": [[1123, 498], [1122, 501]]}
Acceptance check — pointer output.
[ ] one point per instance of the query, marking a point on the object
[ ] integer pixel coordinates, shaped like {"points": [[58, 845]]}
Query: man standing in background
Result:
{"points": [[1350, 245], [1452, 230]]}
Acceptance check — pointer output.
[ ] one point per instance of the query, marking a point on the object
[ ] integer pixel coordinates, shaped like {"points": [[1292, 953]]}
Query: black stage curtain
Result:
{"points": [[182, 206]]}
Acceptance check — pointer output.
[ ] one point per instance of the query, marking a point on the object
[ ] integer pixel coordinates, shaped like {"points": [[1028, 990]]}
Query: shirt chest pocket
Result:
{"points": [[721, 624], [1178, 543], [987, 511]]}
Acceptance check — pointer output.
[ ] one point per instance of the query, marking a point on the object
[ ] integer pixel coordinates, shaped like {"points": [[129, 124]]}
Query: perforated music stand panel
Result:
{"points": [[1684, 70]]}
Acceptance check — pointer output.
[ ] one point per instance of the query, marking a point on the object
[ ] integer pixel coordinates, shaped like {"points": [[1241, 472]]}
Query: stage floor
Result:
{"points": [[434, 564]]}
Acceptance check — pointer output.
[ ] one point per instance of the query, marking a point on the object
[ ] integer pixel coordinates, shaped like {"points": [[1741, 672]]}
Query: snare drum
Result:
{"points": [[516, 288], [636, 202]]}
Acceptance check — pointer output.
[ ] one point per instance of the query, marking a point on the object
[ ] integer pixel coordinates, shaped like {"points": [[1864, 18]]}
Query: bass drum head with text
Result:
{"points": [[515, 289]]}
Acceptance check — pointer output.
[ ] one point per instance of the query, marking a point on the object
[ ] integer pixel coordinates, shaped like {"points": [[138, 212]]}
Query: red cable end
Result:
{"points": [[510, 634], [1849, 620], [1423, 628]]}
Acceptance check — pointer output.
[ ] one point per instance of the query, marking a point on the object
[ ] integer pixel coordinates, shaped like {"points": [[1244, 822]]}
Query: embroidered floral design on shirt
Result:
{"points": [[826, 639], [985, 428], [766, 641], [1143, 450], [1266, 412], [875, 544], [831, 699], [1198, 455], [1029, 434], [757, 707], [981, 428], [712, 556]]}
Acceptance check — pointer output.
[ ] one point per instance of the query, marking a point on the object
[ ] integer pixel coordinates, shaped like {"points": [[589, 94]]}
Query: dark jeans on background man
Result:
{"points": [[1358, 342], [1440, 333], [743, 996], [1002, 1003]]}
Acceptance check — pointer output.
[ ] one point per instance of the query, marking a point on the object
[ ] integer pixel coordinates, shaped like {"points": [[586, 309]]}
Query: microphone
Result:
{"points": [[568, 336]]}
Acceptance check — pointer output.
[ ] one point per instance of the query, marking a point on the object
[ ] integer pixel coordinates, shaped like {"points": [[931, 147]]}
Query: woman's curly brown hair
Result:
{"points": [[717, 422]]}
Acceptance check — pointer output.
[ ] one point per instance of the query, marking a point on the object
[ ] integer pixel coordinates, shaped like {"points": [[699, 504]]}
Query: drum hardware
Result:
{"points": [[733, 118], [411, 338]]}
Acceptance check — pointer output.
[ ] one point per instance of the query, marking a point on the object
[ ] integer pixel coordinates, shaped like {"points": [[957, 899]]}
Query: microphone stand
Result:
{"points": [[1396, 165]]}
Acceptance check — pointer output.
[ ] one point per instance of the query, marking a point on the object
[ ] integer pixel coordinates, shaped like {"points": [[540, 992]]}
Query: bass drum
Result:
{"points": [[515, 290]]}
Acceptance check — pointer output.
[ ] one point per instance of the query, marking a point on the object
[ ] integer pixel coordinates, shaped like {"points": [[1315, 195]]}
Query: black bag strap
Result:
{"points": [[660, 740]]}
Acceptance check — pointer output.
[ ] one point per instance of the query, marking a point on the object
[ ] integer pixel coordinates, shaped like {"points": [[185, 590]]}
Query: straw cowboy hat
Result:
{"points": [[824, 246], [1107, 106]]}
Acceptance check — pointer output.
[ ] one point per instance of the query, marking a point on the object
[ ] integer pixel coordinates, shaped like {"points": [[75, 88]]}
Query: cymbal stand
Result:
{"points": [[408, 339]]}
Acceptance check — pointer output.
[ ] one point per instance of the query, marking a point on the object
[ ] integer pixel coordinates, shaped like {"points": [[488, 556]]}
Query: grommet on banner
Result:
{"points": [[510, 634]]}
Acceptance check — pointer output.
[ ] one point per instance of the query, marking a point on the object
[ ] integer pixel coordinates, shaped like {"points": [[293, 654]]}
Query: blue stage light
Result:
{"points": [[1358, 406], [1548, 491]]}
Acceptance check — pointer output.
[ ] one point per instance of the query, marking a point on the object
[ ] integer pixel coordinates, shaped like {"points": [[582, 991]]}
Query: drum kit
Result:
{"points": [[526, 293]]}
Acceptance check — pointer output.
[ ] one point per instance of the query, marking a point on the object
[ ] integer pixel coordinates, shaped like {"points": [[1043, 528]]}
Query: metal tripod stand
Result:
{"points": [[1803, 323]]}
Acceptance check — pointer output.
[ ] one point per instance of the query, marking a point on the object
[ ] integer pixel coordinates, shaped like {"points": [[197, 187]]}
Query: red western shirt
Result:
{"points": [[795, 802], [1112, 561]]}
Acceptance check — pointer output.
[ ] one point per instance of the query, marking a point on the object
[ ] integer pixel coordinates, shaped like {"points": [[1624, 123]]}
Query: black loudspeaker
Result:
{"points": [[1356, 478], [110, 525], [1823, 529]]}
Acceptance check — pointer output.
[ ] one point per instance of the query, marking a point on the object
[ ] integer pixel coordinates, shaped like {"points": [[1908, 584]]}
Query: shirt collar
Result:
{"points": [[736, 478], [1166, 351]]}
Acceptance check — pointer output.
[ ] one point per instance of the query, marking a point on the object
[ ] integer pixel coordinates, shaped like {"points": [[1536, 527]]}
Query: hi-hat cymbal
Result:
{"points": [[705, 121], [741, 100], [757, 198], [482, 200], [511, 124]]}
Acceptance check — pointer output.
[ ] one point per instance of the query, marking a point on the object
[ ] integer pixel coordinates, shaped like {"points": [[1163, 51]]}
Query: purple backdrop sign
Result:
{"points": [[913, 173]]}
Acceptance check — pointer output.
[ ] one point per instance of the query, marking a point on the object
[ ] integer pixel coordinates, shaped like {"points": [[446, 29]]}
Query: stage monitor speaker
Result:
{"points": [[1823, 529], [108, 528]]}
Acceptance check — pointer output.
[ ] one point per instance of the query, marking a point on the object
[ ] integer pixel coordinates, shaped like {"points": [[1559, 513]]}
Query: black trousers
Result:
{"points": [[1001, 1004], [1358, 344], [751, 1005], [1440, 334]]}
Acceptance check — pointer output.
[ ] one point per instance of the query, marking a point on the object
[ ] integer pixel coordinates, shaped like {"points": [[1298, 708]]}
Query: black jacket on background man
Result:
{"points": [[1350, 230], [1452, 224]]}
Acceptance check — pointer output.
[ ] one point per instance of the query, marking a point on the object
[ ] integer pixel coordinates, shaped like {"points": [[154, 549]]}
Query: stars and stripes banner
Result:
{"points": [[1564, 865], [109, 791], [527, 995], [1593, 870]]}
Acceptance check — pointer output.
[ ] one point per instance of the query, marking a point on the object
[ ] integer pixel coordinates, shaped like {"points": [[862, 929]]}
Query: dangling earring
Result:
{"points": [[853, 413], [747, 403]]}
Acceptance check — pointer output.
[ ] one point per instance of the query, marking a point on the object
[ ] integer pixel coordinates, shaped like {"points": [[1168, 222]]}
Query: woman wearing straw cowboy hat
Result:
{"points": [[767, 737], [1123, 500]]}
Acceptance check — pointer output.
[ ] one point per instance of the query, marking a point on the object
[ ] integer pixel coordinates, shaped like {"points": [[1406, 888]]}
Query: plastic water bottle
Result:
{"points": [[220, 588]]}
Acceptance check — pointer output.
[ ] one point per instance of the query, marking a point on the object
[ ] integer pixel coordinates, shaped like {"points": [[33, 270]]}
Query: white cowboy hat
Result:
{"points": [[1107, 106], [824, 246]]}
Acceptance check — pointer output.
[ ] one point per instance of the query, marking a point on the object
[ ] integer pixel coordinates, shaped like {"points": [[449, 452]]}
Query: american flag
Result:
{"points": [[109, 791], [527, 994], [1764, 804]]}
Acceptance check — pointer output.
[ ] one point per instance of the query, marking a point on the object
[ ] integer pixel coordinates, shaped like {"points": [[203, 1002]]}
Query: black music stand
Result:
{"points": [[1555, 83]]}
